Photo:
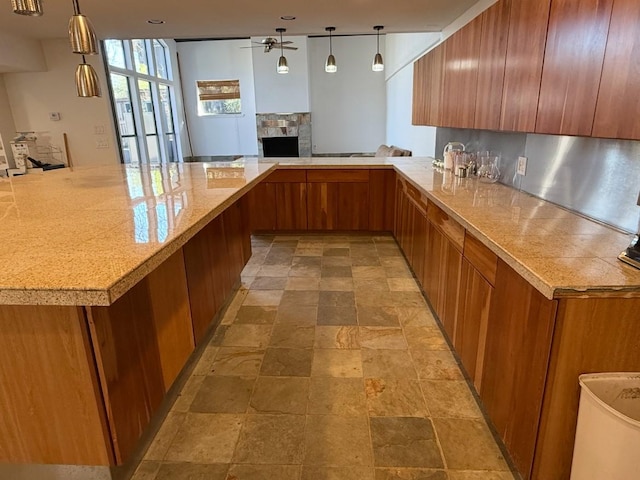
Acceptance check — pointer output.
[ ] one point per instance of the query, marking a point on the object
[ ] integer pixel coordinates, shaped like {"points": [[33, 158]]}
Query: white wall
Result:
{"points": [[402, 50], [7, 128], [219, 60], [33, 96], [277, 93], [348, 107], [20, 54]]}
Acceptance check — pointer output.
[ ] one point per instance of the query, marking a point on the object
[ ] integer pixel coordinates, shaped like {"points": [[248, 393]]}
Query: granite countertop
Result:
{"points": [[84, 237]]}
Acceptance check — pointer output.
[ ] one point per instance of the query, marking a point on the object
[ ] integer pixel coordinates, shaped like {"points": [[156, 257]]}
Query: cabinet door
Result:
{"points": [[322, 206], [461, 54], [619, 97], [427, 88], [521, 322], [573, 61], [433, 266], [291, 206], [419, 240], [528, 21], [473, 317], [449, 285], [353, 206], [493, 50], [382, 198], [262, 207]]}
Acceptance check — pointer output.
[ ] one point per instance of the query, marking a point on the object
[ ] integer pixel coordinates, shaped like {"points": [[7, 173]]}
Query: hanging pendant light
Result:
{"points": [[378, 64], [330, 66], [283, 66], [82, 36], [87, 82], [30, 8]]}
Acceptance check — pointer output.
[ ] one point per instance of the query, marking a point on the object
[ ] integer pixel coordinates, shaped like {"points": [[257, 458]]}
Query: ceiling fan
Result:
{"points": [[270, 43]]}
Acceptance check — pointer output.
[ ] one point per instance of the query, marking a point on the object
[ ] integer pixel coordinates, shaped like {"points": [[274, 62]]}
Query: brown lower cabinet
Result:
{"points": [[324, 200], [522, 351]]}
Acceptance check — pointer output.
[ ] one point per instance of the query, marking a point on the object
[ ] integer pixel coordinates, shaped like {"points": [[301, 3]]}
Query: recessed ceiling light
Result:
{"points": [[288, 17], [155, 22]]}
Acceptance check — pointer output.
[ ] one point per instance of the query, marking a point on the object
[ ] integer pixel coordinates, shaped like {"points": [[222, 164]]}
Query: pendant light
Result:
{"points": [[378, 64], [330, 66], [30, 8], [87, 80], [82, 36], [283, 67]]}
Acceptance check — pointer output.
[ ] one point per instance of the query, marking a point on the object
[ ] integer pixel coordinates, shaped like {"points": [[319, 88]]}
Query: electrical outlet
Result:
{"points": [[98, 129], [522, 166], [102, 143]]}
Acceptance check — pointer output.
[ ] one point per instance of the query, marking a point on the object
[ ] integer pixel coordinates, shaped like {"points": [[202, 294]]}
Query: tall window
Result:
{"points": [[143, 94]]}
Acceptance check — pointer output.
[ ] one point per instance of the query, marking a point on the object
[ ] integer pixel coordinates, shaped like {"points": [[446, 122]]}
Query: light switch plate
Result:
{"points": [[522, 166]]}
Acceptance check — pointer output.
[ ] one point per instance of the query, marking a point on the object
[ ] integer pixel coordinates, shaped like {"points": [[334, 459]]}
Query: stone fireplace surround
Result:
{"points": [[285, 125]]}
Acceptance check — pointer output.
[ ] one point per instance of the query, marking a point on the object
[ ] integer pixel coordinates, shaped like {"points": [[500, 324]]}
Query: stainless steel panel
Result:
{"points": [[599, 178]]}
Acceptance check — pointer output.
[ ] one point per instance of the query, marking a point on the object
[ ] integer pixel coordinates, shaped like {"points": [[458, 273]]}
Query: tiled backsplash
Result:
{"points": [[599, 178]]}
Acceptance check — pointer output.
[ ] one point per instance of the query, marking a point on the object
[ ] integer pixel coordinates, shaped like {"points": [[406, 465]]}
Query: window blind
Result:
{"points": [[218, 89]]}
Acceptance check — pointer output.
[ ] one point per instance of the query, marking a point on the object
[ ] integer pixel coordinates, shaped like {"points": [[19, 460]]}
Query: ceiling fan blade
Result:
{"points": [[287, 42], [289, 48], [254, 46]]}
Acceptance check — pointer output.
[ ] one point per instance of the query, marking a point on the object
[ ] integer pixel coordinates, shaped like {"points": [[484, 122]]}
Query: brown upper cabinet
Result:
{"points": [[493, 50], [528, 20], [460, 77], [573, 60], [619, 98], [427, 88]]}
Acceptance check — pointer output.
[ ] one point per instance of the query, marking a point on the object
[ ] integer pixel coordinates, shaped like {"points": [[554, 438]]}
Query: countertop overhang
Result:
{"points": [[86, 236]]}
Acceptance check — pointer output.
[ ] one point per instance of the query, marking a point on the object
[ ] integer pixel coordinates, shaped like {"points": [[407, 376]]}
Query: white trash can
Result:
{"points": [[607, 443]]}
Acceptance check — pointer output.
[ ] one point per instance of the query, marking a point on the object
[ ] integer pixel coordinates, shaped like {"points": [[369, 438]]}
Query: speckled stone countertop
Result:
{"points": [[84, 237]]}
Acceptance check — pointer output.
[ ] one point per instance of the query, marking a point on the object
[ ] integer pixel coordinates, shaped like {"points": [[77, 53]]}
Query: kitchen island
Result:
{"points": [[116, 274]]}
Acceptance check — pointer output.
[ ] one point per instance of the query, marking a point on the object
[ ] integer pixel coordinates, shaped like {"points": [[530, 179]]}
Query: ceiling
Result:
{"points": [[237, 18]]}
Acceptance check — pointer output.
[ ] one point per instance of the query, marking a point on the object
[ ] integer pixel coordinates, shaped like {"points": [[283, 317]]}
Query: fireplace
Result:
{"points": [[293, 126], [280, 146]]}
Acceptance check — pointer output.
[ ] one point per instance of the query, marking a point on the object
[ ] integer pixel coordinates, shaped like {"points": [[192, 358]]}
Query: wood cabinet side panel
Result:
{"points": [[528, 21], [124, 338], [420, 102], [619, 96], [172, 316], [573, 61], [592, 335], [518, 346], [492, 57], [52, 411]]}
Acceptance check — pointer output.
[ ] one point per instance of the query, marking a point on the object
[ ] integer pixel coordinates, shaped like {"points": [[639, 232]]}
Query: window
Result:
{"points": [[142, 91], [218, 97]]}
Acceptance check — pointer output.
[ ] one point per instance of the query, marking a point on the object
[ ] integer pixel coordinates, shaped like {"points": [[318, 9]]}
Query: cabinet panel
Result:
{"points": [[322, 206], [573, 61], [339, 176], [353, 206], [421, 91], [518, 346], [52, 408], [287, 175], [493, 50], [291, 206], [528, 20], [419, 242], [452, 229], [592, 335], [449, 284], [427, 87], [262, 207], [483, 259], [382, 197], [461, 54], [433, 266], [619, 97], [473, 318]]}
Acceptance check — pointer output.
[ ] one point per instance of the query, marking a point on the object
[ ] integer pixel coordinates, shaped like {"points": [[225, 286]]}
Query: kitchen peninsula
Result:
{"points": [[116, 274]]}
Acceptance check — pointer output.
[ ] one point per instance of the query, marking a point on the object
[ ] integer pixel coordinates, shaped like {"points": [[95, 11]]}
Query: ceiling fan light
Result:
{"points": [[330, 66], [87, 82], [30, 8], [283, 67], [378, 64], [82, 36]]}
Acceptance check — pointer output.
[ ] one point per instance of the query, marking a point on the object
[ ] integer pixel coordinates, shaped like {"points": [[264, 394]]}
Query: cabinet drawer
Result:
{"points": [[483, 259], [414, 194], [452, 229], [339, 175], [288, 176]]}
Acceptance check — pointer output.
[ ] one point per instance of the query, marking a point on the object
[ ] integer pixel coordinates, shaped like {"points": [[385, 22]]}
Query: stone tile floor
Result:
{"points": [[328, 365]]}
